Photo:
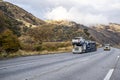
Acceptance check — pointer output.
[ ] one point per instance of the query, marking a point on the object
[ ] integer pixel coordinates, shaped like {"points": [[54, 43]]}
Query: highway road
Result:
{"points": [[99, 65]]}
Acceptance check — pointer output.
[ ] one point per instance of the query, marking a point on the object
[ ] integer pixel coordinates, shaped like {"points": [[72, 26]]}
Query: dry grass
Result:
{"points": [[59, 50], [48, 48], [54, 46]]}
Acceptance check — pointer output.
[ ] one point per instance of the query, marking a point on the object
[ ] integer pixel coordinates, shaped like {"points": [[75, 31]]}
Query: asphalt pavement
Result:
{"points": [[99, 65]]}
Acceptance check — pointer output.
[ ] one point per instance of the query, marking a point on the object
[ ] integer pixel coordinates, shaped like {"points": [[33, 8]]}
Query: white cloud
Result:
{"points": [[73, 14], [116, 6], [58, 13], [83, 11]]}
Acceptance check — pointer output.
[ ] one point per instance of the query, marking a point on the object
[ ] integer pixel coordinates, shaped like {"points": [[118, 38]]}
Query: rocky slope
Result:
{"points": [[9, 23], [21, 20], [60, 30], [20, 14], [107, 34]]}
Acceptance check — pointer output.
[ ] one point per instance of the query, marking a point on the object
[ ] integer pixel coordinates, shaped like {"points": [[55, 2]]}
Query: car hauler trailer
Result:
{"points": [[81, 45]]}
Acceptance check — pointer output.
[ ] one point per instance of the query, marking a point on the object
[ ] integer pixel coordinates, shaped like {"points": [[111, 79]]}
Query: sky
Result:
{"points": [[87, 12]]}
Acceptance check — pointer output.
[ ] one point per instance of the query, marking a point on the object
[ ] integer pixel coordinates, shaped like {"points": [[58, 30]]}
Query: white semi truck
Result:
{"points": [[81, 45]]}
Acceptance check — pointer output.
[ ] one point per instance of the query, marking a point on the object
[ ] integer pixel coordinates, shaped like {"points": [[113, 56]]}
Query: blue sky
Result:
{"points": [[87, 12]]}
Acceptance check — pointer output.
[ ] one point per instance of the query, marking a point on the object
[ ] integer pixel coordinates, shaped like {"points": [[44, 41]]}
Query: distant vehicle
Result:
{"points": [[107, 47], [81, 45]]}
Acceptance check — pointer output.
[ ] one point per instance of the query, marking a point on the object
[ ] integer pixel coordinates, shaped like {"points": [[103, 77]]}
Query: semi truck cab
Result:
{"points": [[81, 45]]}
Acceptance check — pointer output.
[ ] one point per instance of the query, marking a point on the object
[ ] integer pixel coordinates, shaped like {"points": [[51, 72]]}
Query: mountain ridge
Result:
{"points": [[66, 29], [19, 14], [107, 33]]}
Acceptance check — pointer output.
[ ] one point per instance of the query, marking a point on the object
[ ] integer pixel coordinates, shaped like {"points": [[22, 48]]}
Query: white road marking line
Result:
{"points": [[109, 74], [118, 56]]}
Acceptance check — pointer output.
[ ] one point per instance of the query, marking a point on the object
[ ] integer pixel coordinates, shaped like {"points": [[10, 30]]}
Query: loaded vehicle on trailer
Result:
{"points": [[81, 45]]}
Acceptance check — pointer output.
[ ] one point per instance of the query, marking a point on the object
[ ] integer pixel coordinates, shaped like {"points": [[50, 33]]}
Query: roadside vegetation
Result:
{"points": [[46, 48], [32, 42], [48, 38]]}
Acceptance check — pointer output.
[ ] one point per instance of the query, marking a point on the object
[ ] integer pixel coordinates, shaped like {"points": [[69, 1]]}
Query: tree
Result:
{"points": [[9, 42]]}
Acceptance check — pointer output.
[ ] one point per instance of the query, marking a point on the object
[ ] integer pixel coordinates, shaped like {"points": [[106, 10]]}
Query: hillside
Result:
{"points": [[107, 34], [64, 30], [20, 14], [33, 34], [7, 22], [69, 29], [8, 30]]}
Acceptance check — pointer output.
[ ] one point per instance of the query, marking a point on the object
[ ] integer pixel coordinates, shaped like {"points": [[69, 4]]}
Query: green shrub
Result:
{"points": [[9, 42], [38, 47]]}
